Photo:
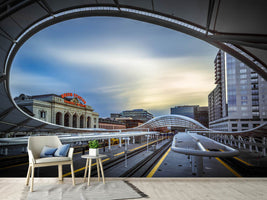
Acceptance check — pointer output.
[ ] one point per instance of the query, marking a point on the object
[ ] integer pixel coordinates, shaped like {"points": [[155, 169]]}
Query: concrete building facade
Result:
{"points": [[239, 101], [108, 123], [137, 114], [199, 113], [68, 110]]}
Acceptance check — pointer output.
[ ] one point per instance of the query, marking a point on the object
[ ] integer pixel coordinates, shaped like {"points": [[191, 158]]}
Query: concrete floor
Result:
{"points": [[164, 188]]}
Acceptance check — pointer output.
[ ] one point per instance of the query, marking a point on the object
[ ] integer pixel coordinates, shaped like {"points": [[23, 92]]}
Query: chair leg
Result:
{"points": [[72, 174], [97, 165], [102, 171], [32, 179], [28, 175], [89, 173], [60, 172], [85, 171]]}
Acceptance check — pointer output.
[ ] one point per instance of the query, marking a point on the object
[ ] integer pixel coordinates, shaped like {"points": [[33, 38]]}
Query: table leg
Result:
{"points": [[102, 171], [86, 168], [97, 165], [89, 173]]}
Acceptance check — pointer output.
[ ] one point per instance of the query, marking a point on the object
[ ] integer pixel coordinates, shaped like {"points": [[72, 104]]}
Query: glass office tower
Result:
{"points": [[239, 101]]}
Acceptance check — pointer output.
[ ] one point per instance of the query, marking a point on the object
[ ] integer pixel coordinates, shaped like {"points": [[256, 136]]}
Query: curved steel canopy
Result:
{"points": [[173, 121], [229, 25]]}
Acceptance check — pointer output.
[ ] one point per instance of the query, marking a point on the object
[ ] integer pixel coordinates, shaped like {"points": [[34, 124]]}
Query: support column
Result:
{"points": [[256, 147], [197, 165], [147, 138], [70, 120], [235, 141], [120, 141], [62, 119], [78, 121], [239, 142], [133, 140], [250, 144], [264, 146], [109, 144]]}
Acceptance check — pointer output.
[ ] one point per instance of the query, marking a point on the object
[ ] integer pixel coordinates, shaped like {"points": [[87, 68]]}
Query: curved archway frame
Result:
{"points": [[117, 10]]}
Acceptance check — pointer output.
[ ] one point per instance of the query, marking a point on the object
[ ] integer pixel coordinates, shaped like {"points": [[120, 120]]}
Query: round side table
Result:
{"points": [[89, 159]]}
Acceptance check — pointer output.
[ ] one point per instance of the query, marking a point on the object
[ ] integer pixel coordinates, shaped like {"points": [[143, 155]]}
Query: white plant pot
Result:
{"points": [[93, 152]]}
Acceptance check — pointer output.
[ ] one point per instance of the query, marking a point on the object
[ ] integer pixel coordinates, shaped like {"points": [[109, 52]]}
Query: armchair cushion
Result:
{"points": [[47, 152], [62, 150], [52, 159]]}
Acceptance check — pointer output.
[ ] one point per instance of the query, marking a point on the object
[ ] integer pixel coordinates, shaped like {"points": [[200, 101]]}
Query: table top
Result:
{"points": [[94, 157]]}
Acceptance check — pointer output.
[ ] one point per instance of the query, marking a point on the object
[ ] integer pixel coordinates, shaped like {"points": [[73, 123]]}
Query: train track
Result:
{"points": [[245, 170], [142, 168], [242, 168], [120, 159]]}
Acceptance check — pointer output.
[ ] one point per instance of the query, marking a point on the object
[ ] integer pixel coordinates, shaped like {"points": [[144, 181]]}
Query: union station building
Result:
{"points": [[68, 109]]}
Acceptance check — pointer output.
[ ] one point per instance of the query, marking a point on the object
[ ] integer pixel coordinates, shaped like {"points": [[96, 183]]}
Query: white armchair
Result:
{"points": [[35, 146]]}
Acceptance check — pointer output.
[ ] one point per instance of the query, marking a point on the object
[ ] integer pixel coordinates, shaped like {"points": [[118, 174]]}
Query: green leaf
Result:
{"points": [[93, 144]]}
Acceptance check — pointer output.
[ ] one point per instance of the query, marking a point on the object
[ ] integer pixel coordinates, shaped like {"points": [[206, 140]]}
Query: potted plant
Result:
{"points": [[93, 148]]}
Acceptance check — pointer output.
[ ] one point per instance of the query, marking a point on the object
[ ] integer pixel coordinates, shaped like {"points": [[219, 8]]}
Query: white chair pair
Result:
{"points": [[35, 146]]}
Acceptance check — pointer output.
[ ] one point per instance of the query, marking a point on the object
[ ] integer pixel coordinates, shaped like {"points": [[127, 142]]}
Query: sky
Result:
{"points": [[116, 64]]}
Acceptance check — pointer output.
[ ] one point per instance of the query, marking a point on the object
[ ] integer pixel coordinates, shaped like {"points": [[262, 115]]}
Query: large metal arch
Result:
{"points": [[254, 45], [173, 121]]}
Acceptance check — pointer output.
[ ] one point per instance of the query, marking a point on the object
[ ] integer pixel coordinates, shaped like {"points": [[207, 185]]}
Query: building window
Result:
{"points": [[255, 113], [243, 92], [42, 114], [243, 81], [234, 125], [94, 120], [254, 81], [255, 103], [243, 76], [59, 118], [243, 70], [66, 119], [74, 121], [255, 125], [244, 108], [244, 125]]}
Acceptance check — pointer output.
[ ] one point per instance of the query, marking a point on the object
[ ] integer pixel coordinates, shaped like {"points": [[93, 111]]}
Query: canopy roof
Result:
{"points": [[229, 25]]}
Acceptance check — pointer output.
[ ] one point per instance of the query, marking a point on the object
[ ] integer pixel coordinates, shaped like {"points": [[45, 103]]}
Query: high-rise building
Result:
{"points": [[193, 111], [137, 114], [186, 110], [114, 116], [203, 115], [239, 101]]}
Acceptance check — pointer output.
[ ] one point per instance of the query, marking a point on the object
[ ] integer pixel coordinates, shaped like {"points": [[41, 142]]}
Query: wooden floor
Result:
{"points": [[164, 188]]}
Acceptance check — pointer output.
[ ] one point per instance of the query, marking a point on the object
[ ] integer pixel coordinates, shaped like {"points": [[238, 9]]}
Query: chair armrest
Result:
{"points": [[70, 154], [31, 157]]}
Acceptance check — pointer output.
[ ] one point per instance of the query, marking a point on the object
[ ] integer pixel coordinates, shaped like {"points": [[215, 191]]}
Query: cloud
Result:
{"points": [[34, 84]]}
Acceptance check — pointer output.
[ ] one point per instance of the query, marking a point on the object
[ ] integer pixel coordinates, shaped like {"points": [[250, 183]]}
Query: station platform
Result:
{"points": [[161, 188]]}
